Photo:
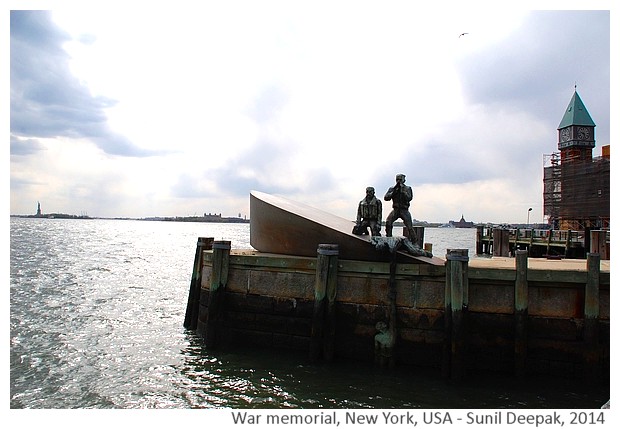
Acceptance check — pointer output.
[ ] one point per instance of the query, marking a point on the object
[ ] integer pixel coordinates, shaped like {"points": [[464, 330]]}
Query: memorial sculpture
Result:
{"points": [[401, 196], [384, 344], [369, 214]]}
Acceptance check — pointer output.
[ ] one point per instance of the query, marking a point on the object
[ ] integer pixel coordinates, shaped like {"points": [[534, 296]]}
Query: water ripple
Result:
{"points": [[97, 308]]}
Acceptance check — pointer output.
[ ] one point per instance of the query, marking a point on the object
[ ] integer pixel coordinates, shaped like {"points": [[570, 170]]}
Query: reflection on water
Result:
{"points": [[258, 378], [96, 321]]}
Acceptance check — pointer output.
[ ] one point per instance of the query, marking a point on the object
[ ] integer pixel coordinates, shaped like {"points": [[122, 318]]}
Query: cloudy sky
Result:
{"points": [[184, 108]]}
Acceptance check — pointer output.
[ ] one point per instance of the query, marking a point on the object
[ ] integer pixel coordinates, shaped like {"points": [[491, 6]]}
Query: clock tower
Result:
{"points": [[576, 132], [576, 184]]}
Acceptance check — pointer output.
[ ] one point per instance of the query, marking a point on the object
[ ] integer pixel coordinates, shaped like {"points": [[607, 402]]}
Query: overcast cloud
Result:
{"points": [[183, 111], [47, 100]]}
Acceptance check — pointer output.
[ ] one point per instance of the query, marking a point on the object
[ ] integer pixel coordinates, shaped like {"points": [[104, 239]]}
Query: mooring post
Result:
{"points": [[327, 260], [416, 236], [501, 242], [330, 311], [219, 278], [457, 259], [521, 311], [598, 243], [419, 236], [591, 313], [193, 300], [447, 316], [479, 241]]}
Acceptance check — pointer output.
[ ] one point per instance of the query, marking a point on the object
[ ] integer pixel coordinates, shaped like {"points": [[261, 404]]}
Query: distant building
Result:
{"points": [[38, 208], [576, 185], [462, 223], [212, 217]]}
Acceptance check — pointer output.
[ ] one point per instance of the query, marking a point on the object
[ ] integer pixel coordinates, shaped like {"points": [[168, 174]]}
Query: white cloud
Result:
{"points": [[314, 101]]}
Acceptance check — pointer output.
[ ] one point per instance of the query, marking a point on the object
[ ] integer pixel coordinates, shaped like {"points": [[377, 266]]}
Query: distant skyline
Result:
{"points": [[185, 109], [456, 220]]}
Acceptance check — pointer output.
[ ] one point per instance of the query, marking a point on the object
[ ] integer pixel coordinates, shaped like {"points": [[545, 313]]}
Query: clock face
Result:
{"points": [[583, 133], [565, 134]]}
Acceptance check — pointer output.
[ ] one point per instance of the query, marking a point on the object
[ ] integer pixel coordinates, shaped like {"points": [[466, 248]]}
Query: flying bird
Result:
{"points": [[462, 34]]}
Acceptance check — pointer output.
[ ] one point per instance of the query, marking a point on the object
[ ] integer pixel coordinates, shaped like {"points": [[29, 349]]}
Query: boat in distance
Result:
{"points": [[283, 226]]}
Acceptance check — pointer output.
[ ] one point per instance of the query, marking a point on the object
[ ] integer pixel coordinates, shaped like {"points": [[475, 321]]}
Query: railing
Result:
{"points": [[542, 242]]}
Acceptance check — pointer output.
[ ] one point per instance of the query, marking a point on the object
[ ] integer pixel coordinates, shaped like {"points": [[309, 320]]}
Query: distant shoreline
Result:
{"points": [[53, 216], [220, 219], [210, 219]]}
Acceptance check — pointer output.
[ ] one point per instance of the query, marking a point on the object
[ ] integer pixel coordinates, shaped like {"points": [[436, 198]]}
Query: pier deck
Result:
{"points": [[507, 262], [542, 242]]}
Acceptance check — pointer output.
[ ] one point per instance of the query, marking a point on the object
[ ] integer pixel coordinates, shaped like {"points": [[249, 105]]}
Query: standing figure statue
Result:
{"points": [[369, 213], [401, 196]]}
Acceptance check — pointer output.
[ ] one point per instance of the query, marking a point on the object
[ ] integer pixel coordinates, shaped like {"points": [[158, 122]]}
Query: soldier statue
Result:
{"points": [[401, 196], [369, 213]]}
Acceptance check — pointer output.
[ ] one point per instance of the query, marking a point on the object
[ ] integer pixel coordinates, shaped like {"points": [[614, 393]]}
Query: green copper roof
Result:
{"points": [[576, 114]]}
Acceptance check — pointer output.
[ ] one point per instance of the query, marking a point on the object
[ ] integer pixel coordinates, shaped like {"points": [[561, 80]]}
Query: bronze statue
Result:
{"points": [[384, 344], [401, 196], [369, 213]]}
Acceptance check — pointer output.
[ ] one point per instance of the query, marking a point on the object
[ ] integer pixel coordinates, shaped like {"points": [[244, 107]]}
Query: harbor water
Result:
{"points": [[96, 321]]}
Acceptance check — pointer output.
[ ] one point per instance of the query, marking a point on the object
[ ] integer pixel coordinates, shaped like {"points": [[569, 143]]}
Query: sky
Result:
{"points": [[184, 108]]}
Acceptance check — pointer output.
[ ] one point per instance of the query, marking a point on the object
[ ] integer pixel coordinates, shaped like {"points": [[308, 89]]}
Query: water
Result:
{"points": [[96, 321]]}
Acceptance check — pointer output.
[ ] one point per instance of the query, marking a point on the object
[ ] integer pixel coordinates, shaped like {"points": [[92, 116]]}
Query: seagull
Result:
{"points": [[462, 34]]}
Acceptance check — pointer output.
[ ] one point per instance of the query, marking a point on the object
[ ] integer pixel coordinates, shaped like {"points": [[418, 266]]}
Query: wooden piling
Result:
{"points": [[416, 236], [447, 316], [457, 260], [598, 243], [419, 236], [193, 300], [323, 317], [219, 278], [521, 311], [479, 241], [591, 317], [501, 242], [330, 311]]}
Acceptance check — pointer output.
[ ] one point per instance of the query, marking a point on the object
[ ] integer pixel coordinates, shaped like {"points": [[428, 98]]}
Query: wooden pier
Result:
{"points": [[511, 314], [542, 242]]}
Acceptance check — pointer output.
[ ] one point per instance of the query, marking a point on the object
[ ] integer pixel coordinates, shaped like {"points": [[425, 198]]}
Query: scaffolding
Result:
{"points": [[576, 192]]}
